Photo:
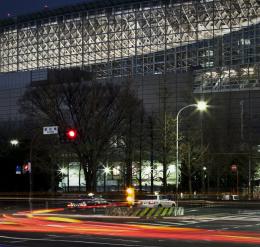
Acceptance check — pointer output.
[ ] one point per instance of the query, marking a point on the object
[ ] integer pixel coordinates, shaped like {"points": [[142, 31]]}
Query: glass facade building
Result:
{"points": [[219, 39], [208, 48]]}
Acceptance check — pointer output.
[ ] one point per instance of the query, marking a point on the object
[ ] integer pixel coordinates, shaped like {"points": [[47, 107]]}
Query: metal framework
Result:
{"points": [[219, 39]]}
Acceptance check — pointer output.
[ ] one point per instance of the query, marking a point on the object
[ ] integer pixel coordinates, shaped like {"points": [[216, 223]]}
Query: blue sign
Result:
{"points": [[18, 169]]}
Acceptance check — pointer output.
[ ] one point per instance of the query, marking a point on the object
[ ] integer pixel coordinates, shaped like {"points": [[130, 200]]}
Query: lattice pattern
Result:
{"points": [[140, 38]]}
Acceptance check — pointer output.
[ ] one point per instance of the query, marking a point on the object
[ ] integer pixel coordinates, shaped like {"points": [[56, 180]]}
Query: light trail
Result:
{"points": [[63, 225]]}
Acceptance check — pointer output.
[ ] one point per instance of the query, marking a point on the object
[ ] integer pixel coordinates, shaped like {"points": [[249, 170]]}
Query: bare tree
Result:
{"points": [[98, 110], [130, 137], [165, 144], [193, 154]]}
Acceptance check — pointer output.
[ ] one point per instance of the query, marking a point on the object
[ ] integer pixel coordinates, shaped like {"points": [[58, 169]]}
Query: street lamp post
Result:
{"points": [[15, 142], [35, 136], [204, 169], [105, 172], [201, 106]]}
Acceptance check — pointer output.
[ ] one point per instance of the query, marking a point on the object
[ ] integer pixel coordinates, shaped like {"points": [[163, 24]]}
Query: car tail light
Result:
{"points": [[70, 205]]}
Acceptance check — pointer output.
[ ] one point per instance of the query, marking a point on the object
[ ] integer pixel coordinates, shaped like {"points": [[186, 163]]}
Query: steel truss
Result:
{"points": [[139, 38]]}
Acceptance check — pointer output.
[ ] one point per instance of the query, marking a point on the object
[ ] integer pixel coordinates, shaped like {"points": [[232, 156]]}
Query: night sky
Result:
{"points": [[12, 8]]}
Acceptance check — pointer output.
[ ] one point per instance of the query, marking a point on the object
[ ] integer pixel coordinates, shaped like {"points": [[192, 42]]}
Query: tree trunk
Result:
{"points": [[90, 172], [190, 184], [152, 156], [129, 154], [218, 182], [189, 169], [164, 158], [128, 173], [90, 181], [164, 175]]}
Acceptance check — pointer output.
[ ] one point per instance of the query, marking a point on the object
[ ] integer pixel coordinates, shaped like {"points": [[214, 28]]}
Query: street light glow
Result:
{"points": [[14, 142], [63, 171], [106, 170], [202, 105]]}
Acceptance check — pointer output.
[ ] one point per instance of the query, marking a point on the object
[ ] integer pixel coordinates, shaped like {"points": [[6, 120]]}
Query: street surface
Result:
{"points": [[198, 227]]}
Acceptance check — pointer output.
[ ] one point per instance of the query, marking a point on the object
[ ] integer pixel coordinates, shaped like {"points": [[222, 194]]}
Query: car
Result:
{"points": [[228, 197], [153, 201], [87, 202]]}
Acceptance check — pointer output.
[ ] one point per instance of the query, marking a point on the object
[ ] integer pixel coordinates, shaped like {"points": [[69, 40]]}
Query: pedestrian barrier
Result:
{"points": [[164, 212], [157, 212], [151, 212], [145, 212], [119, 211], [170, 211], [136, 212], [178, 211]]}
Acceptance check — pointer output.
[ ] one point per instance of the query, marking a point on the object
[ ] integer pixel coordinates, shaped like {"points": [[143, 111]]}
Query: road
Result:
{"points": [[199, 227], [43, 240], [94, 241]]}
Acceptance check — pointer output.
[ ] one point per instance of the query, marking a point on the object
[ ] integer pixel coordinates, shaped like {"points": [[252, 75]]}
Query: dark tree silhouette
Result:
{"points": [[98, 110]]}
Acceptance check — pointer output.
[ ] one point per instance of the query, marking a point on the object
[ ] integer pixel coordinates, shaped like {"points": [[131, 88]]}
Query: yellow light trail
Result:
{"points": [[32, 223]]}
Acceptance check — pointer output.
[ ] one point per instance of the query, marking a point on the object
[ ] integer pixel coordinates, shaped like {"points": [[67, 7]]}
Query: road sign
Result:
{"points": [[18, 169], [50, 130]]}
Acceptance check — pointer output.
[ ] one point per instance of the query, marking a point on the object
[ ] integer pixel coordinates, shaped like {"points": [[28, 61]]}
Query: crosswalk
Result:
{"points": [[249, 218], [242, 218]]}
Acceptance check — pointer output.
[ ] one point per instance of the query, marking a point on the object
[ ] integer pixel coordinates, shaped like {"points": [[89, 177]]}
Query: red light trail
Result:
{"points": [[35, 222]]}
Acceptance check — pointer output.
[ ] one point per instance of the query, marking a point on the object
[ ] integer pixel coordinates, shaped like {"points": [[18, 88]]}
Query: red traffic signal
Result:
{"points": [[27, 167], [71, 134]]}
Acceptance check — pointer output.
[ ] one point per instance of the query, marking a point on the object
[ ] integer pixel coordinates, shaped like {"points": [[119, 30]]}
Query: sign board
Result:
{"points": [[50, 130], [18, 170]]}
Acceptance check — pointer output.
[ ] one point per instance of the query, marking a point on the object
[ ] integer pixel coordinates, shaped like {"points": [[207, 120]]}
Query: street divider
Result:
{"points": [[158, 212], [145, 212]]}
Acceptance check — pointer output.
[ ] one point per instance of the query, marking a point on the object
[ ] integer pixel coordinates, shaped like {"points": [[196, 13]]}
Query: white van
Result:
{"points": [[230, 197], [155, 201]]}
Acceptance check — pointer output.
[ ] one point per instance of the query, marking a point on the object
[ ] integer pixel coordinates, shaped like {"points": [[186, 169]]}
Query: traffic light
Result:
{"points": [[130, 196], [71, 134], [68, 136], [27, 167]]}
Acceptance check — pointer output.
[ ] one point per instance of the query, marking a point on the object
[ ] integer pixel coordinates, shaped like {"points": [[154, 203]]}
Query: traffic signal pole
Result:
{"points": [[30, 171]]}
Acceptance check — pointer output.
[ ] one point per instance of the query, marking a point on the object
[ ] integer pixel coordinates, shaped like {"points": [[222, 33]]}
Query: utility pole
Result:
{"points": [[249, 177], [152, 154]]}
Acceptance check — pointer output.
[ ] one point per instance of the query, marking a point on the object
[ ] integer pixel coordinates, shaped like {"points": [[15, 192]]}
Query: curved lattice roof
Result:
{"points": [[130, 29]]}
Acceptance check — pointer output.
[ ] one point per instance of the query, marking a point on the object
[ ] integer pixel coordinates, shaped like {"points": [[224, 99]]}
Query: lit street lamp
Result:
{"points": [[204, 170], [201, 106], [14, 142]]}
